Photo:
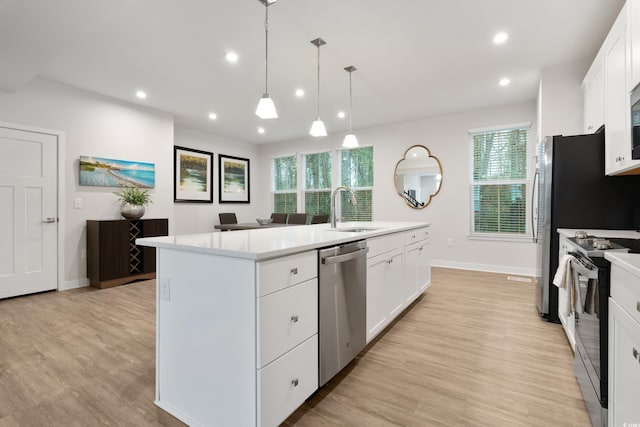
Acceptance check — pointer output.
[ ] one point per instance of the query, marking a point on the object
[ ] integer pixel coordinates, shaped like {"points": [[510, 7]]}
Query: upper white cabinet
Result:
{"points": [[594, 96], [606, 89], [633, 40], [618, 150]]}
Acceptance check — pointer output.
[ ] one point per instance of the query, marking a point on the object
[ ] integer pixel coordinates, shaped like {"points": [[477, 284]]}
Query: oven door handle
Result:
{"points": [[584, 266]]}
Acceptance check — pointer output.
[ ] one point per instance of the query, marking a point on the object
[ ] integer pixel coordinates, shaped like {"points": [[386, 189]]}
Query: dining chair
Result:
{"points": [[279, 218], [297, 218], [319, 219], [228, 218]]}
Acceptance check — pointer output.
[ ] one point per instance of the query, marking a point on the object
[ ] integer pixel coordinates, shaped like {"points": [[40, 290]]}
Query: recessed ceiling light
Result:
{"points": [[341, 115], [231, 57], [504, 82], [500, 38], [260, 130], [299, 93], [213, 116], [140, 94]]}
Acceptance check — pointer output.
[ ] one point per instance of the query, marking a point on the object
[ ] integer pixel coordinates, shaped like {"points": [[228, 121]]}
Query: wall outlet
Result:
{"points": [[165, 289], [450, 242], [77, 203]]}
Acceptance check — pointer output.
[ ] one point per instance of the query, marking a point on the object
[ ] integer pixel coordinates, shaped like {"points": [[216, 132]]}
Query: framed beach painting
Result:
{"points": [[192, 175], [234, 179], [102, 172]]}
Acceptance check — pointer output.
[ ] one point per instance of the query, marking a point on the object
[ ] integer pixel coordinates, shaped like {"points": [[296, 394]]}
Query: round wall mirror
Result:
{"points": [[418, 177]]}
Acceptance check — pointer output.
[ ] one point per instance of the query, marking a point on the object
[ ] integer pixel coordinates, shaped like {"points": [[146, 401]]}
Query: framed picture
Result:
{"points": [[234, 179], [192, 175], [103, 172]]}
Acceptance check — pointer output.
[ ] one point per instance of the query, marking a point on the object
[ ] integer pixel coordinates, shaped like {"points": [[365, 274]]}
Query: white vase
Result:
{"points": [[129, 211]]}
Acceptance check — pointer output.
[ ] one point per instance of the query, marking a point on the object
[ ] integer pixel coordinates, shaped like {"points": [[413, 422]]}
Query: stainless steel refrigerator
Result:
{"points": [[574, 192]]}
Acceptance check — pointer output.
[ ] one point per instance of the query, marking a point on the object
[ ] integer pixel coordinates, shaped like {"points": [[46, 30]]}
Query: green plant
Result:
{"points": [[133, 195]]}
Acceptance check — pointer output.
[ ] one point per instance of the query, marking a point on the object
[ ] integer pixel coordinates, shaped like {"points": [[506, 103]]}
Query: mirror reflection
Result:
{"points": [[418, 177]]}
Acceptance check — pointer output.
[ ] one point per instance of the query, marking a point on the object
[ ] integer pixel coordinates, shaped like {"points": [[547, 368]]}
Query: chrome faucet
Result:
{"points": [[352, 196]]}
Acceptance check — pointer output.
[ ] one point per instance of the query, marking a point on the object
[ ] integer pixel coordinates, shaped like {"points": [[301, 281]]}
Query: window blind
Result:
{"points": [[356, 172], [499, 170], [317, 183], [284, 174]]}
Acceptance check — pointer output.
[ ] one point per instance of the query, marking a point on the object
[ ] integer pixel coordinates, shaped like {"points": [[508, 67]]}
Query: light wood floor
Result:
{"points": [[470, 352]]}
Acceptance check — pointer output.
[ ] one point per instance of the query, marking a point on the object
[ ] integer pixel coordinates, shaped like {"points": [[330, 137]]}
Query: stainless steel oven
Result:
{"points": [[591, 276]]}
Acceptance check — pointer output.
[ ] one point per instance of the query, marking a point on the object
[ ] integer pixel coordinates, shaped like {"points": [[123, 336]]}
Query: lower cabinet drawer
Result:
{"points": [[625, 290], [286, 318], [287, 382]]}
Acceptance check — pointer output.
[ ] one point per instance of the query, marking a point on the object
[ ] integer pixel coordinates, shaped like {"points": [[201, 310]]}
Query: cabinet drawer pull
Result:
{"points": [[638, 306], [294, 270], [294, 382], [294, 318], [635, 354]]}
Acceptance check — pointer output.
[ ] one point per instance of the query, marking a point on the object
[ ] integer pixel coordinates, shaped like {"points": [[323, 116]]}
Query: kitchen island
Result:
{"points": [[237, 313]]}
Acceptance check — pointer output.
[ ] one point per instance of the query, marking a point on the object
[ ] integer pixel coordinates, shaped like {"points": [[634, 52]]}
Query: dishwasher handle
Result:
{"points": [[346, 257]]}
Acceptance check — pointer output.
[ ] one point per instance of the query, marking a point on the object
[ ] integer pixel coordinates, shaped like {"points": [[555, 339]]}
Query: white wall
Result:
{"points": [[560, 99], [447, 138], [201, 217], [96, 126]]}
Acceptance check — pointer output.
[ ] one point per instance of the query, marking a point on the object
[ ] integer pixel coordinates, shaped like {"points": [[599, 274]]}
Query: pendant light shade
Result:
{"points": [[266, 108], [350, 141], [317, 127]]}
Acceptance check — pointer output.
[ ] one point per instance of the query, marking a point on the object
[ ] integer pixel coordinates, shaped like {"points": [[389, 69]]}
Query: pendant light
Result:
{"points": [[317, 127], [266, 108], [350, 141]]}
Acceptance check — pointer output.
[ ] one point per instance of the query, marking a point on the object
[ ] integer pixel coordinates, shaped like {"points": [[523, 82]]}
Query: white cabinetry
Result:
{"points": [[237, 339], [566, 318], [607, 86], [633, 41], [384, 282], [417, 259], [594, 96], [624, 347], [398, 271], [617, 135]]}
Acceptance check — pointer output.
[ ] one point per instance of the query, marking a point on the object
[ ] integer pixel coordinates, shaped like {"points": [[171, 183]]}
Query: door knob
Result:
{"points": [[49, 220]]}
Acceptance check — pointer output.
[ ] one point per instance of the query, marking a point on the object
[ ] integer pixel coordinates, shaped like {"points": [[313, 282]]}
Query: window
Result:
{"points": [[317, 183], [356, 172], [500, 181], [285, 184]]}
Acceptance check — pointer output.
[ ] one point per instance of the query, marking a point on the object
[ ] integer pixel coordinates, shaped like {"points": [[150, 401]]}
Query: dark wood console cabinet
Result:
{"points": [[113, 258]]}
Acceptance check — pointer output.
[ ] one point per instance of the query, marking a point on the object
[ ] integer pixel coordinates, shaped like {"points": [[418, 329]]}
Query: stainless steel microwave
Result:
{"points": [[635, 123]]}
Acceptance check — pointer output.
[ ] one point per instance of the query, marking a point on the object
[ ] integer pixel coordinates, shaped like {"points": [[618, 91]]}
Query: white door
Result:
{"points": [[28, 212]]}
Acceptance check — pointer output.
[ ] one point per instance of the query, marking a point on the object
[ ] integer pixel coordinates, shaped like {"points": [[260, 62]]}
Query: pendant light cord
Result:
{"points": [[266, 48], [350, 104], [318, 82]]}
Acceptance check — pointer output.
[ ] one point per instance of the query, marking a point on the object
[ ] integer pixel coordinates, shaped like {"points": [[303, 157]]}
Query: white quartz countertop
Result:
{"points": [[619, 234], [629, 262], [262, 244]]}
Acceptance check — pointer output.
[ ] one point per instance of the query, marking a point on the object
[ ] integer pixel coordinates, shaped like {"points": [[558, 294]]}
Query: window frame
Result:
{"points": [[336, 178], [526, 181]]}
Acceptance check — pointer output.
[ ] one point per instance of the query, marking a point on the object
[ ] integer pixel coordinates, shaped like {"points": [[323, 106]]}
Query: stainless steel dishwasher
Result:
{"points": [[342, 303]]}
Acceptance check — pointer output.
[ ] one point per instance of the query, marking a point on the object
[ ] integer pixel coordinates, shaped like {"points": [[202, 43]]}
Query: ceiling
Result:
{"points": [[414, 58]]}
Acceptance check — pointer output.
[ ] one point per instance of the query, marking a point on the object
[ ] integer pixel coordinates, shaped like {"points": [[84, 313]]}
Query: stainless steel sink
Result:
{"points": [[355, 229]]}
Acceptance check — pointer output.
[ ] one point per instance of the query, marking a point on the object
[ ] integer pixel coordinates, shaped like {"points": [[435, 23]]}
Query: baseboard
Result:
{"points": [[529, 272], [74, 284]]}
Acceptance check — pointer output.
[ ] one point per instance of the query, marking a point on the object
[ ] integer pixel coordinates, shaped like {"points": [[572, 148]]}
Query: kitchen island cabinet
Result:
{"points": [[624, 339], [237, 318]]}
